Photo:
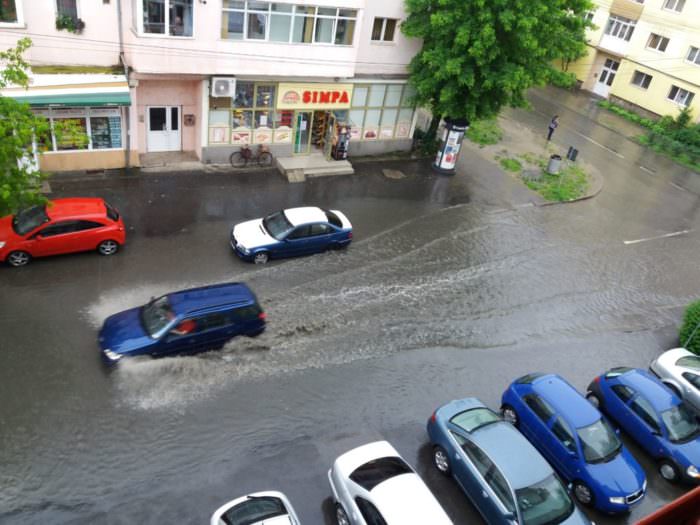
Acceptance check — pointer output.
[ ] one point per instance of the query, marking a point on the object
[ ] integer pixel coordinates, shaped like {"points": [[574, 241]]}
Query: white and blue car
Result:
{"points": [[291, 232]]}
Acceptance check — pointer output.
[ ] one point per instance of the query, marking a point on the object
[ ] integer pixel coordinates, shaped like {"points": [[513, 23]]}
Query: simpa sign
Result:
{"points": [[314, 96]]}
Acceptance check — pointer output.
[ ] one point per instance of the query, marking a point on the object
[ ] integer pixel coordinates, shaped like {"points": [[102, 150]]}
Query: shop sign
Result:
{"points": [[314, 96]]}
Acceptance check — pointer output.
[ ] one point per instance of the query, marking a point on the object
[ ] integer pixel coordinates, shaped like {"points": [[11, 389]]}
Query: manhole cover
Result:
{"points": [[393, 174]]}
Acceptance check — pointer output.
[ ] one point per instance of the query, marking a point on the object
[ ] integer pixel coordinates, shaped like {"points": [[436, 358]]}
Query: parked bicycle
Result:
{"points": [[245, 156]]}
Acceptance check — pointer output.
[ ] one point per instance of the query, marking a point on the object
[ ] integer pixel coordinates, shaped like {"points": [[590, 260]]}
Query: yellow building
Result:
{"points": [[644, 54]]}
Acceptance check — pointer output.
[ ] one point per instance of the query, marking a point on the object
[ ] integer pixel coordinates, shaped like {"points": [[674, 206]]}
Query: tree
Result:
{"points": [[20, 129], [480, 55]]}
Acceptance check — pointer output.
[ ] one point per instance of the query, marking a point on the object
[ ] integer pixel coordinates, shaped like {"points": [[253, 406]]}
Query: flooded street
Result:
{"points": [[452, 287]]}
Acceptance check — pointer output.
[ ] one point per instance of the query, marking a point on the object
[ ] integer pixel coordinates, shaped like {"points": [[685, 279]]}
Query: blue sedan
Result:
{"points": [[291, 232], [575, 438], [654, 416], [507, 480]]}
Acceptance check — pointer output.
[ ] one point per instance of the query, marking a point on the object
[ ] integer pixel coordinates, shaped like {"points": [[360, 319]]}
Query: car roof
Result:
{"points": [[660, 397], [346, 463], [74, 208], [186, 301], [669, 357], [566, 400], [305, 215], [515, 456], [406, 499]]}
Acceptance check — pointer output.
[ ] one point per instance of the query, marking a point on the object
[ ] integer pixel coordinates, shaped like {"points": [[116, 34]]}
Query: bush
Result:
{"points": [[691, 318], [484, 132]]}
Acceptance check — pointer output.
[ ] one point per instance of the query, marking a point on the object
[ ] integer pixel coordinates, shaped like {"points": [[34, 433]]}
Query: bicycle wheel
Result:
{"points": [[238, 160], [265, 159]]}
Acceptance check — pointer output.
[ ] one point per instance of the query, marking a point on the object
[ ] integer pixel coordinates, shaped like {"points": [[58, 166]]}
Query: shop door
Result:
{"points": [[328, 139], [302, 132], [164, 128], [605, 80]]}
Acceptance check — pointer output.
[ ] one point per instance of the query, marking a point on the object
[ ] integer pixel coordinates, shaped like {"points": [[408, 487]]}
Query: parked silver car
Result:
{"points": [[679, 369]]}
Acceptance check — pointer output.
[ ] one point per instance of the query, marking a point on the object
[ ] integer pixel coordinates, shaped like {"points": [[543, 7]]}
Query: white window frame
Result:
{"points": [[620, 27], [681, 96], [166, 3], [643, 76], [661, 41], [20, 16], [695, 51], [674, 5], [383, 31]]}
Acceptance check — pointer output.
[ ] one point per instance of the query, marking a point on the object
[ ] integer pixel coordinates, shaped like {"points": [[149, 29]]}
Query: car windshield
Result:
{"points": [[681, 423], [600, 443], [544, 503], [256, 509], [277, 224], [374, 472], [156, 315], [26, 220], [690, 361], [475, 418]]}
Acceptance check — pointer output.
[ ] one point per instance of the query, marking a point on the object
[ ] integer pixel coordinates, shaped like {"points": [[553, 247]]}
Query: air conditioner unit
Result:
{"points": [[223, 86]]}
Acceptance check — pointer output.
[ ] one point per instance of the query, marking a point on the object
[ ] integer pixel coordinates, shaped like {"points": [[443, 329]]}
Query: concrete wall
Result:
{"points": [[84, 160]]}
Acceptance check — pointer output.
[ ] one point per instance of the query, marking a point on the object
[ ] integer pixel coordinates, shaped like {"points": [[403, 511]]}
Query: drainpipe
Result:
{"points": [[122, 59]]}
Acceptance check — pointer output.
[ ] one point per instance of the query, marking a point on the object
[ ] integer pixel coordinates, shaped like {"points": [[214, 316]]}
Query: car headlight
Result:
{"points": [[2, 244], [245, 250], [692, 471], [619, 500], [112, 356]]}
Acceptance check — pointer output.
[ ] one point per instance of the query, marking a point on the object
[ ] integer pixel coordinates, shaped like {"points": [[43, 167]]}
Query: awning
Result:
{"points": [[86, 99]]}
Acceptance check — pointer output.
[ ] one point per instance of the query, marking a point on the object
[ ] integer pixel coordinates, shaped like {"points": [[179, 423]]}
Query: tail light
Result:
{"points": [[433, 418], [262, 316], [350, 235], [597, 380]]}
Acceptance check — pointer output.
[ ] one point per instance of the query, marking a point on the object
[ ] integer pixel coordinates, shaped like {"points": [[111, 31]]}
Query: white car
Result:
{"points": [[679, 369], [260, 508], [372, 484]]}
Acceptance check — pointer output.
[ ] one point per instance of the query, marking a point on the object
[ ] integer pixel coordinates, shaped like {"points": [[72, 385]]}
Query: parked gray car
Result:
{"points": [[679, 370]]}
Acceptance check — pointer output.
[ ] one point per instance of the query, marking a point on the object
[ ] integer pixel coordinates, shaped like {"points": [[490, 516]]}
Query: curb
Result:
{"points": [[594, 193]]}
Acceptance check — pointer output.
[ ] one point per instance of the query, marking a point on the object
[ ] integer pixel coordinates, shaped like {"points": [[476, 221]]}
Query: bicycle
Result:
{"points": [[241, 158]]}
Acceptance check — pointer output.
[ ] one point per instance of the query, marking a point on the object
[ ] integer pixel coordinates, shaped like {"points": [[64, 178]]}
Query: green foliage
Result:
{"points": [[481, 55], [509, 164], [67, 22], [569, 185], [483, 132], [691, 318]]}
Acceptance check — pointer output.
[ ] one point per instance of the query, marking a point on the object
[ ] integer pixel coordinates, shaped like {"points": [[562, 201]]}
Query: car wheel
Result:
{"points": [[583, 493], [17, 259], [510, 415], [108, 247], [594, 400], [669, 471], [261, 258], [340, 515], [441, 460]]}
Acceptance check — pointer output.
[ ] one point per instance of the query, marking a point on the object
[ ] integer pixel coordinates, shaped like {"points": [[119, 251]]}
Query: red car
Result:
{"points": [[61, 226]]}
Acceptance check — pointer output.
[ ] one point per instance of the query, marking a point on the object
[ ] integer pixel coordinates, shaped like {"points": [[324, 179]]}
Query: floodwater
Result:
{"points": [[446, 291]]}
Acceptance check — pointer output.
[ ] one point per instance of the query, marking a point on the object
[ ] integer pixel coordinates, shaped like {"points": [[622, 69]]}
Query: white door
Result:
{"points": [[164, 128], [605, 80]]}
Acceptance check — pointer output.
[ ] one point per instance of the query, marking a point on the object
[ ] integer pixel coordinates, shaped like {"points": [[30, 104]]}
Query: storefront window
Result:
{"points": [[386, 110], [403, 125], [244, 95], [371, 129], [105, 132], [388, 121], [359, 96], [241, 119], [265, 97], [393, 95], [94, 128], [376, 95], [408, 93]]}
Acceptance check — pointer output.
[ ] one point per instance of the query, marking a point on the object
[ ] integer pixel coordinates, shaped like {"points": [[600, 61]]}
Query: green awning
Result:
{"points": [[87, 99]]}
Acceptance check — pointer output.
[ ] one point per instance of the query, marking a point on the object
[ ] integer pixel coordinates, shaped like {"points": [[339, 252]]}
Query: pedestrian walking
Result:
{"points": [[552, 126]]}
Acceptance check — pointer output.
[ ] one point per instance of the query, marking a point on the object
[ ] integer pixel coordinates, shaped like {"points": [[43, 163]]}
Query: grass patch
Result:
{"points": [[571, 184], [485, 132], [511, 165]]}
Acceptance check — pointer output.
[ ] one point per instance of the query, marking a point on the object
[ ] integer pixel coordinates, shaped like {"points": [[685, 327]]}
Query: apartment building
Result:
{"points": [[644, 54], [208, 76]]}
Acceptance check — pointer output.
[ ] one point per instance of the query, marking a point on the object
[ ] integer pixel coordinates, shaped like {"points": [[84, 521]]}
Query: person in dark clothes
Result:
{"points": [[552, 126]]}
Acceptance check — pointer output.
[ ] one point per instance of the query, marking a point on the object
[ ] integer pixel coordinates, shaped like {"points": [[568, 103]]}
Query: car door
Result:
{"points": [[298, 242], [212, 330], [563, 448], [536, 422], [54, 239], [89, 235], [463, 469], [644, 425], [180, 339], [692, 391], [320, 236]]}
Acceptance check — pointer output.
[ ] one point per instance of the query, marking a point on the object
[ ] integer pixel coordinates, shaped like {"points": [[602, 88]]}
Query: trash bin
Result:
{"points": [[554, 165], [572, 154]]}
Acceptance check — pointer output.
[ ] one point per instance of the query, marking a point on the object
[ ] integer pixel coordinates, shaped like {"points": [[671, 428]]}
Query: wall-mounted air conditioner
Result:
{"points": [[223, 86]]}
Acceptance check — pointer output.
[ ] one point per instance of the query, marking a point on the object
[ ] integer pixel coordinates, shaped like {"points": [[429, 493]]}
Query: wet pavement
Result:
{"points": [[452, 287]]}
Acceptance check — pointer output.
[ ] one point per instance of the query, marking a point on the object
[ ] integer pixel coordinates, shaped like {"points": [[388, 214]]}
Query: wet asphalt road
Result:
{"points": [[452, 288]]}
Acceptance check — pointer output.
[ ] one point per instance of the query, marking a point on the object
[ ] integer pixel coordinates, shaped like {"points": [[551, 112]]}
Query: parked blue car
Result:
{"points": [[654, 416], [503, 475], [577, 440], [291, 232], [183, 322]]}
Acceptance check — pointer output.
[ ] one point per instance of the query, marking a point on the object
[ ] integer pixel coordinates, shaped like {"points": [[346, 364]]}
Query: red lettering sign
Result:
{"points": [[306, 97], [325, 97]]}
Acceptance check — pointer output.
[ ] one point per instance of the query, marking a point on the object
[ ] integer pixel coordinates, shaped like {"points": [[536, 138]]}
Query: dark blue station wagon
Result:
{"points": [[183, 322]]}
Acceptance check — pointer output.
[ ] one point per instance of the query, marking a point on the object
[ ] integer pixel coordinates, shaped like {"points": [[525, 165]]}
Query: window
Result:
{"points": [[643, 409], [690, 361], [58, 228], [620, 27], [693, 379], [657, 42], [475, 418], [246, 313], [674, 5], [625, 393], [319, 229], [167, 17], [102, 126], [265, 21], [564, 434], [693, 55], [210, 322], [680, 96], [641, 79], [539, 406], [11, 12], [299, 233], [384, 29], [88, 225], [599, 442], [66, 8], [374, 472], [369, 512], [72, 141]]}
